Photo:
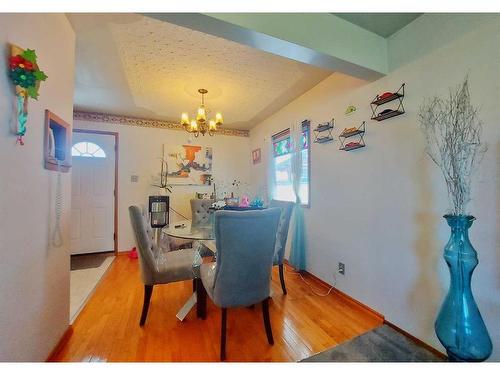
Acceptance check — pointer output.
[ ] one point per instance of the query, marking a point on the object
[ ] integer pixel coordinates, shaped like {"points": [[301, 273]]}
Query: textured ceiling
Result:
{"points": [[383, 24], [137, 66]]}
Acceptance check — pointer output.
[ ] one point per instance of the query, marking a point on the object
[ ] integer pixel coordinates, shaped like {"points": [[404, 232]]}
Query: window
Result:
{"points": [[283, 166], [87, 150]]}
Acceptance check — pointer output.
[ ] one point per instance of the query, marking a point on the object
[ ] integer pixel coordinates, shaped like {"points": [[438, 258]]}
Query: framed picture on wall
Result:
{"points": [[256, 157], [188, 164]]}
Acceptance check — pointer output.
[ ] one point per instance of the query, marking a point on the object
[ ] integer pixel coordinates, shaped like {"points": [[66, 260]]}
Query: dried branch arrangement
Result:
{"points": [[453, 135], [163, 177]]}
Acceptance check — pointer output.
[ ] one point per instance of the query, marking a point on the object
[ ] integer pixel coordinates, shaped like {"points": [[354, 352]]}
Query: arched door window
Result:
{"points": [[87, 150]]}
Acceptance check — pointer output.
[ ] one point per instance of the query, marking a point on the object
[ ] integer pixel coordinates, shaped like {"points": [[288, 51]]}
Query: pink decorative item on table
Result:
{"points": [[245, 201]]}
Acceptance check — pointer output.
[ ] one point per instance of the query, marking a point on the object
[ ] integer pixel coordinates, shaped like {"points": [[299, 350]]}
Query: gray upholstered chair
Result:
{"points": [[159, 266], [281, 236], [200, 214], [241, 276]]}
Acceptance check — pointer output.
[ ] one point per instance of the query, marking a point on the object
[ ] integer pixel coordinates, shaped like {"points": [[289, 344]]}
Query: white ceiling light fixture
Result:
{"points": [[200, 124]]}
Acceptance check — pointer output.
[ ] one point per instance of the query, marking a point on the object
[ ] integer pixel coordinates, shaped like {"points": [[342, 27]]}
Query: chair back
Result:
{"points": [[282, 233], [145, 244], [245, 243], [200, 214]]}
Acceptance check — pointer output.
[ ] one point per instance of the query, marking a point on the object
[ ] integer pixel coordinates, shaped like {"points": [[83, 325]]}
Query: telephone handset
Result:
{"points": [[52, 144]]}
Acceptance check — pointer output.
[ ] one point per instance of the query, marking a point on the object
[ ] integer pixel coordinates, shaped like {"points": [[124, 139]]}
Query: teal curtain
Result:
{"points": [[270, 175], [298, 250]]}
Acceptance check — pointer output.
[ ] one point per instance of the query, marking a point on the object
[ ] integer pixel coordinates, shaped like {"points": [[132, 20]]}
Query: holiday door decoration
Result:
{"points": [[26, 76]]}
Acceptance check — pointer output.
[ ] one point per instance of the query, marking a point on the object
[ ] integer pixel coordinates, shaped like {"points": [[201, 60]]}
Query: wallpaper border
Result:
{"points": [[146, 123]]}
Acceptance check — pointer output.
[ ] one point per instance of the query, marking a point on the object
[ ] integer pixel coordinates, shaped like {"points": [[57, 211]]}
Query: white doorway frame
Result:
{"points": [[116, 151]]}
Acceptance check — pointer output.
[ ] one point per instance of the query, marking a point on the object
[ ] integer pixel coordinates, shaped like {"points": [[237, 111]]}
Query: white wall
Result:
{"points": [[34, 275], [378, 209], [139, 151]]}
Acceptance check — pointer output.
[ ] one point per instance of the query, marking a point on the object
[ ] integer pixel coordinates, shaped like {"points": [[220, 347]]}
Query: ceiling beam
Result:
{"points": [[319, 39]]}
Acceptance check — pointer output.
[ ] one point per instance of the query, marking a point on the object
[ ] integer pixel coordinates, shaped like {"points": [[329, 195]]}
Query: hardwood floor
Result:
{"points": [[303, 323]]}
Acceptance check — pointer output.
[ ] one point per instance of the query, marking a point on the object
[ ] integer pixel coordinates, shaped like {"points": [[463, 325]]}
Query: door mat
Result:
{"points": [[85, 261]]}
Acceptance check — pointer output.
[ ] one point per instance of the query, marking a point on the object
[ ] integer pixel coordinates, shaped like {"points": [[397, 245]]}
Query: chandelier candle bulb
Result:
{"points": [[184, 119], [218, 118], [201, 117], [194, 125]]}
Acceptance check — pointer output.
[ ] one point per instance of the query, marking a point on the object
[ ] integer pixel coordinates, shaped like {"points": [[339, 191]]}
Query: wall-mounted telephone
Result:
{"points": [[57, 143]]}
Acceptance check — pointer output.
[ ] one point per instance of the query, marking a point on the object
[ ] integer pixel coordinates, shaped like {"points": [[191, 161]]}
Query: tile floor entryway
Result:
{"points": [[86, 273]]}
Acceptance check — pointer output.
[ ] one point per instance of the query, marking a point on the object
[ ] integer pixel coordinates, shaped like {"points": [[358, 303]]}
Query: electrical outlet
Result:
{"points": [[341, 268]]}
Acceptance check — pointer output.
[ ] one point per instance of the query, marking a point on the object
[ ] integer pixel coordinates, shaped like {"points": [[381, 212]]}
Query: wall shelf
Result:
{"points": [[351, 134], [353, 147], [387, 98], [348, 133], [386, 115], [323, 132]]}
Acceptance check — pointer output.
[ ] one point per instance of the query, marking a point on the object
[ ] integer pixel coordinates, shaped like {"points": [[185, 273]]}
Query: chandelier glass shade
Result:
{"points": [[200, 124]]}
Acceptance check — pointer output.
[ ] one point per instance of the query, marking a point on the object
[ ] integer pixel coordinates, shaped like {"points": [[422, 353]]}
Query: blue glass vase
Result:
{"points": [[459, 325]]}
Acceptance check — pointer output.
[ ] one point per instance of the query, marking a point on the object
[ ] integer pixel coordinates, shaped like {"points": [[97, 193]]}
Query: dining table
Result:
{"points": [[204, 235]]}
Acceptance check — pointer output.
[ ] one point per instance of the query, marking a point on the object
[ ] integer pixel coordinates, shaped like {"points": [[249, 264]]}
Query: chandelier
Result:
{"points": [[201, 124]]}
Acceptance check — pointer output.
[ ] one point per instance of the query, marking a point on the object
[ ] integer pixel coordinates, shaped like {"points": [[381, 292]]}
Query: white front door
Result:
{"points": [[92, 203]]}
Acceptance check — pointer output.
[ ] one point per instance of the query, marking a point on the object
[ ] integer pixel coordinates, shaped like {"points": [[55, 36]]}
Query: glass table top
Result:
{"points": [[184, 229]]}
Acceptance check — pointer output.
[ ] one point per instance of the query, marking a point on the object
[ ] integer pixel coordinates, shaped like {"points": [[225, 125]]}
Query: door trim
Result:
{"points": [[117, 148]]}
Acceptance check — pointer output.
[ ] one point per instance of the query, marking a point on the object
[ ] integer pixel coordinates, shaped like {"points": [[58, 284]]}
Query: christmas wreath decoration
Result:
{"points": [[26, 76]]}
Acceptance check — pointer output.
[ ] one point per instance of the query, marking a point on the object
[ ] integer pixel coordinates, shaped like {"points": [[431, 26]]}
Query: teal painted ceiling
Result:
{"points": [[383, 24]]}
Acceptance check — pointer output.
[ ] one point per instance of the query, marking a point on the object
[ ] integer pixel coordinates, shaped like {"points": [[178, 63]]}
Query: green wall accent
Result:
{"points": [[430, 32], [322, 32]]}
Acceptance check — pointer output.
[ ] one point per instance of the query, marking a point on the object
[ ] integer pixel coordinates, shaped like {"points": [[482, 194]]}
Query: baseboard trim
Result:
{"points": [[373, 312], [342, 295], [417, 340], [123, 253], [62, 342]]}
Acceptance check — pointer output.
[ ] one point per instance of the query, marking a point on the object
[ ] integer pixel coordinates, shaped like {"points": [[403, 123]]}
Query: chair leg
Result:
{"points": [[282, 278], [267, 322], [201, 299], [148, 290], [223, 335]]}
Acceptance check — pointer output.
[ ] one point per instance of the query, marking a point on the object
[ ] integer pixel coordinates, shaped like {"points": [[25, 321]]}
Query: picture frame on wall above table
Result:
{"points": [[256, 156]]}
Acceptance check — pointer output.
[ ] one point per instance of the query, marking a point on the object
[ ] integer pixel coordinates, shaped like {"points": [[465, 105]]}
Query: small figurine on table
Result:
{"points": [[218, 205], [245, 201], [257, 202]]}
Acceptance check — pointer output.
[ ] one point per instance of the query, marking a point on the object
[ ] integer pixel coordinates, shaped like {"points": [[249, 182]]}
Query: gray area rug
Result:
{"points": [[383, 344], [85, 261]]}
